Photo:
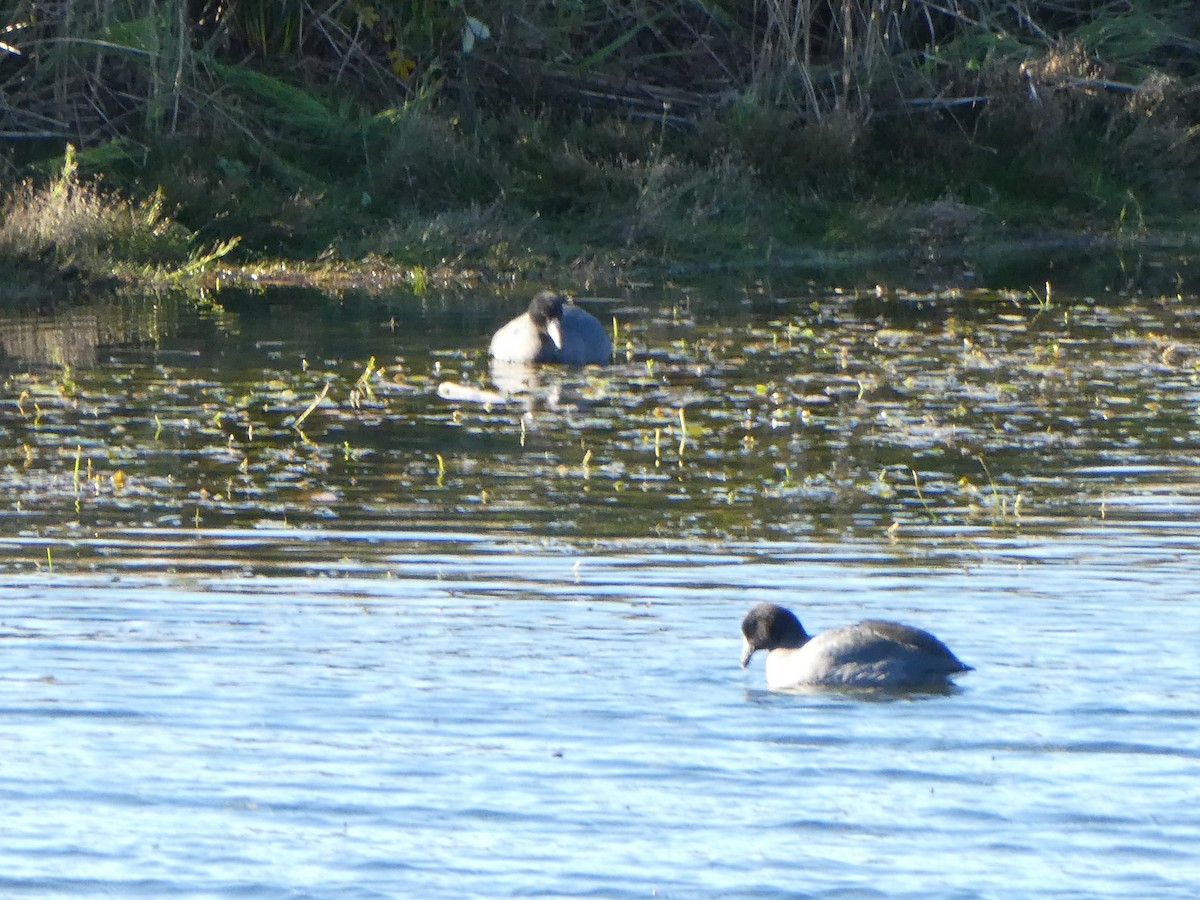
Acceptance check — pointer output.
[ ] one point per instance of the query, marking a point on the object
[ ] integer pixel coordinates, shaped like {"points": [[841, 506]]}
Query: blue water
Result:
{"points": [[440, 650], [530, 721]]}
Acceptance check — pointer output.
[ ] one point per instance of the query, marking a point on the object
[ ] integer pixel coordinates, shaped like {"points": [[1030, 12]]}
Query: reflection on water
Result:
{"points": [[449, 649], [73, 334], [763, 413]]}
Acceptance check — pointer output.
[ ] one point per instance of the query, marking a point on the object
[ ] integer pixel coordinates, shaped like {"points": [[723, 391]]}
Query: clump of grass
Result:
{"points": [[73, 229], [429, 160], [67, 233], [687, 207]]}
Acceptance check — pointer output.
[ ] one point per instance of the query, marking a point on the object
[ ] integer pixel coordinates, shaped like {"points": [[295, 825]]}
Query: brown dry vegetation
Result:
{"points": [[517, 134]]}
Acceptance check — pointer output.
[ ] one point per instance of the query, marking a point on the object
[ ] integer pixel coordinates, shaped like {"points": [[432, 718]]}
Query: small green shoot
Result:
{"points": [[363, 384], [315, 403], [202, 259], [921, 497]]}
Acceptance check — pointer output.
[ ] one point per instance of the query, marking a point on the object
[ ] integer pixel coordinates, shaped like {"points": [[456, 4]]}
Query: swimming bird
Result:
{"points": [[552, 331], [871, 654]]}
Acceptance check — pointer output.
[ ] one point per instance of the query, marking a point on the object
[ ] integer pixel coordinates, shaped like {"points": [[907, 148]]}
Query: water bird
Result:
{"points": [[552, 330], [872, 654]]}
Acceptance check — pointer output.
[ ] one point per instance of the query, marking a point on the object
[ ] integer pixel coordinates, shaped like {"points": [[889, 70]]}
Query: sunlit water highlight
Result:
{"points": [[263, 665], [572, 724]]}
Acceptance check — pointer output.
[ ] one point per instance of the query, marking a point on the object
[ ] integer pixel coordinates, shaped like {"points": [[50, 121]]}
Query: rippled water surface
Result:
{"points": [[416, 647]]}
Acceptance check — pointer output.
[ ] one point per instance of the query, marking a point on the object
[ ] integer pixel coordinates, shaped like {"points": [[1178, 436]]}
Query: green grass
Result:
{"points": [[68, 233], [638, 133]]}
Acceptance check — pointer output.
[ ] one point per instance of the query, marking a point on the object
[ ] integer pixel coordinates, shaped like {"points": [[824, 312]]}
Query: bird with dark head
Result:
{"points": [[550, 331], [872, 654]]}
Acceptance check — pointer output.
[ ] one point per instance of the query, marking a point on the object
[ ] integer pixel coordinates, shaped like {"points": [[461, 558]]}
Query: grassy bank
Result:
{"points": [[520, 139]]}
